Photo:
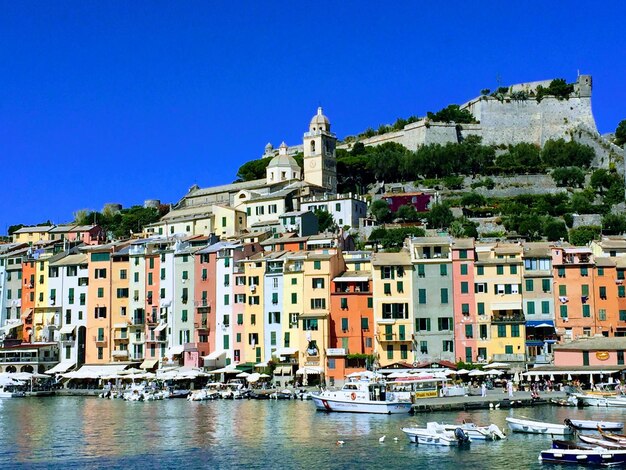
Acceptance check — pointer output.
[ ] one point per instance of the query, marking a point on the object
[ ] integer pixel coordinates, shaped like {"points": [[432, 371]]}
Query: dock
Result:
{"points": [[494, 399]]}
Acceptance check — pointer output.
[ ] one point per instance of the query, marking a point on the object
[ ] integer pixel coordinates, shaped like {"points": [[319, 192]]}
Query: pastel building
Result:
{"points": [[11, 287], [466, 330], [392, 276]]}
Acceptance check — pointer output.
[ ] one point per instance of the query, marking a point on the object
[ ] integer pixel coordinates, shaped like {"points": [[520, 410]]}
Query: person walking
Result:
{"points": [[509, 387], [483, 390]]}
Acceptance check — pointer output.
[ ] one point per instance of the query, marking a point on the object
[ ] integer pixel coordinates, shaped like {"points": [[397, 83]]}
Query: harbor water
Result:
{"points": [[86, 432]]}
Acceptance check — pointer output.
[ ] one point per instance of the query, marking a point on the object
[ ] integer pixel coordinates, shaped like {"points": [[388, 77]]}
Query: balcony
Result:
{"points": [[119, 353], [120, 337], [515, 318], [100, 339], [509, 358]]}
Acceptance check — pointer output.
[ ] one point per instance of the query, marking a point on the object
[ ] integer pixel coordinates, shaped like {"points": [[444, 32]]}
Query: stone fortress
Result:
{"points": [[516, 117]]}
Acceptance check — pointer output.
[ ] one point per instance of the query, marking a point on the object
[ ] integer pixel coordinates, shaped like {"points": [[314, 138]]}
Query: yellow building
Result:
{"points": [[393, 307], [120, 314], [46, 314], [252, 348], [32, 234], [498, 288], [294, 344], [228, 222]]}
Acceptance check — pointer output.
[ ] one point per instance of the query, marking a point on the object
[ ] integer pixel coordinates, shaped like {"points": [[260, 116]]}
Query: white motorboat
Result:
{"points": [[478, 433], [437, 435], [601, 399], [361, 397], [532, 426], [4, 393], [594, 425]]}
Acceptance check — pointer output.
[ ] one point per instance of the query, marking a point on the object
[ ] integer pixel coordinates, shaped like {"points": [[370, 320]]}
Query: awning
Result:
{"points": [[120, 325], [540, 323], [310, 370], [148, 363], [67, 329], [160, 327], [352, 279], [534, 343], [61, 367], [224, 370], [283, 370], [176, 350], [95, 372], [261, 364], [8, 327], [285, 351], [215, 355], [539, 373], [506, 305]]}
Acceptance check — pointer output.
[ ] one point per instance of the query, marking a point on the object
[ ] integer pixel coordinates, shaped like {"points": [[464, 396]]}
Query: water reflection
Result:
{"points": [[88, 432]]}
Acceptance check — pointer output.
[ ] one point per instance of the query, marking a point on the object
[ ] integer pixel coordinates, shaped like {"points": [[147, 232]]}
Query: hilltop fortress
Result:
{"points": [[516, 116]]}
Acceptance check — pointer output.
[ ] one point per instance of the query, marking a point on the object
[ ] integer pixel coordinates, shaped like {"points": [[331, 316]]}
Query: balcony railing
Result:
{"points": [[517, 318], [100, 339]]}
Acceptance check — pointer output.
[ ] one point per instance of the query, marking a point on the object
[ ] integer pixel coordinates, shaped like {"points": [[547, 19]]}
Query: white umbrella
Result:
{"points": [[461, 372], [495, 372], [477, 372], [253, 377], [264, 376], [242, 375], [516, 377], [591, 379], [497, 365], [569, 377], [552, 377]]}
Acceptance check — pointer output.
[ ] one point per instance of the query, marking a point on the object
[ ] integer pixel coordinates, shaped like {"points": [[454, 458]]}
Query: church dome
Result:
{"points": [[320, 121], [282, 159]]}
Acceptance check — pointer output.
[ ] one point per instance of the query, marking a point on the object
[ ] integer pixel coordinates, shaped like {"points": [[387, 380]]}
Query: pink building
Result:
{"points": [[596, 352], [465, 322]]}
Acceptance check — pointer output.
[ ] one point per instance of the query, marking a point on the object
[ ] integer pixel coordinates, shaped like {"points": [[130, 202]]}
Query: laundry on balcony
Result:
{"points": [[563, 299]]}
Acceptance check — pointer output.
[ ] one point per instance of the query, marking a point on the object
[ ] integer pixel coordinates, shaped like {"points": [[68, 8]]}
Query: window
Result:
{"points": [[100, 292], [513, 269], [499, 270], [400, 287], [464, 269], [469, 331], [563, 311], [481, 308], [483, 332], [424, 347], [621, 291], [480, 288], [603, 292], [561, 272], [318, 283], [273, 317], [309, 324], [501, 331], [622, 315], [122, 293], [344, 303], [601, 272], [162, 273], [602, 314], [480, 270], [226, 299], [370, 302], [100, 273], [344, 325], [100, 352], [464, 287], [390, 351], [585, 358], [82, 299], [584, 271], [508, 349], [620, 358], [586, 311], [150, 281], [294, 281], [317, 265], [530, 307], [397, 311], [387, 288], [529, 285], [421, 294], [387, 272], [444, 324], [515, 331], [100, 312], [465, 309], [404, 352], [365, 324], [227, 279], [317, 304], [443, 269], [402, 332], [562, 290], [545, 306], [545, 285], [422, 324], [444, 295], [123, 273], [463, 254], [420, 270], [448, 345]]}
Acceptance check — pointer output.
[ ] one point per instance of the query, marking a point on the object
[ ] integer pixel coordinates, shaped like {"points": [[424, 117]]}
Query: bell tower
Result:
{"points": [[320, 160]]}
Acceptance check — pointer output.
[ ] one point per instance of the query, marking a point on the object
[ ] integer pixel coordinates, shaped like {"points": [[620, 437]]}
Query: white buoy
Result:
{"points": [[382, 439]]}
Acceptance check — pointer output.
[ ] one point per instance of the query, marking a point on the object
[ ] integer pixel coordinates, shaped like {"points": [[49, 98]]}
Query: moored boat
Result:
{"points": [[596, 456], [532, 426], [5, 393], [595, 441], [592, 424], [437, 434], [361, 397], [478, 433]]}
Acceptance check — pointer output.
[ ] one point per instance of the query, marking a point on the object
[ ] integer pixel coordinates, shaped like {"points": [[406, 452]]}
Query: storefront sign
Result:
{"points": [[602, 355]]}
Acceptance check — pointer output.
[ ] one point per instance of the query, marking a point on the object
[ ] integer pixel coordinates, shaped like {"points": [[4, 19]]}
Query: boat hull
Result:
{"points": [[594, 425], [351, 406], [536, 427], [425, 437], [584, 457]]}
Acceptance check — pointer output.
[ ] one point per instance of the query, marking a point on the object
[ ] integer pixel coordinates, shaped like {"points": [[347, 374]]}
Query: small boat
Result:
{"points": [[608, 399], [619, 438], [437, 434], [361, 397], [282, 395], [570, 401], [559, 444], [478, 433], [532, 426], [6, 393], [591, 424], [591, 440], [584, 456]]}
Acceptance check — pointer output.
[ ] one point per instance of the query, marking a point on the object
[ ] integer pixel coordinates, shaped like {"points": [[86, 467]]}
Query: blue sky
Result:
{"points": [[126, 101]]}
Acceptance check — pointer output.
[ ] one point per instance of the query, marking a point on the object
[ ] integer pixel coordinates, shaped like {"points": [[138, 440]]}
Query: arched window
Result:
{"points": [[312, 146]]}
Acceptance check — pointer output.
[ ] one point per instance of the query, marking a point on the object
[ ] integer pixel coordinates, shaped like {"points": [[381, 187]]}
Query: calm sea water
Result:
{"points": [[73, 432]]}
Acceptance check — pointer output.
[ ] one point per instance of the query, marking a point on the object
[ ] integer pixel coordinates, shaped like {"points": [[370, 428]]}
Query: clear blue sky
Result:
{"points": [[118, 101]]}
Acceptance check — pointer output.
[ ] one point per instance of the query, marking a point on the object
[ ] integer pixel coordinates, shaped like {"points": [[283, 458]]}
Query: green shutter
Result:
{"points": [[529, 285], [444, 295], [421, 296], [344, 324], [530, 307], [563, 310], [545, 306], [545, 285], [443, 270], [365, 325], [586, 311], [401, 332], [481, 308]]}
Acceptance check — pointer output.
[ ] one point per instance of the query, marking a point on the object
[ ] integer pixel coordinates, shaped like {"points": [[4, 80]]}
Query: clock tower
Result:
{"points": [[320, 160]]}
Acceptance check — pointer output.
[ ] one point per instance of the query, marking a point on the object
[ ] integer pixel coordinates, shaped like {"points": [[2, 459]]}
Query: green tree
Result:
{"points": [[385, 160], [582, 202], [473, 200], [462, 227], [581, 236], [614, 224], [253, 170], [407, 213], [452, 113], [568, 176], [615, 194], [620, 133], [558, 153], [325, 220], [380, 211], [600, 180], [439, 216], [554, 229], [14, 228]]}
